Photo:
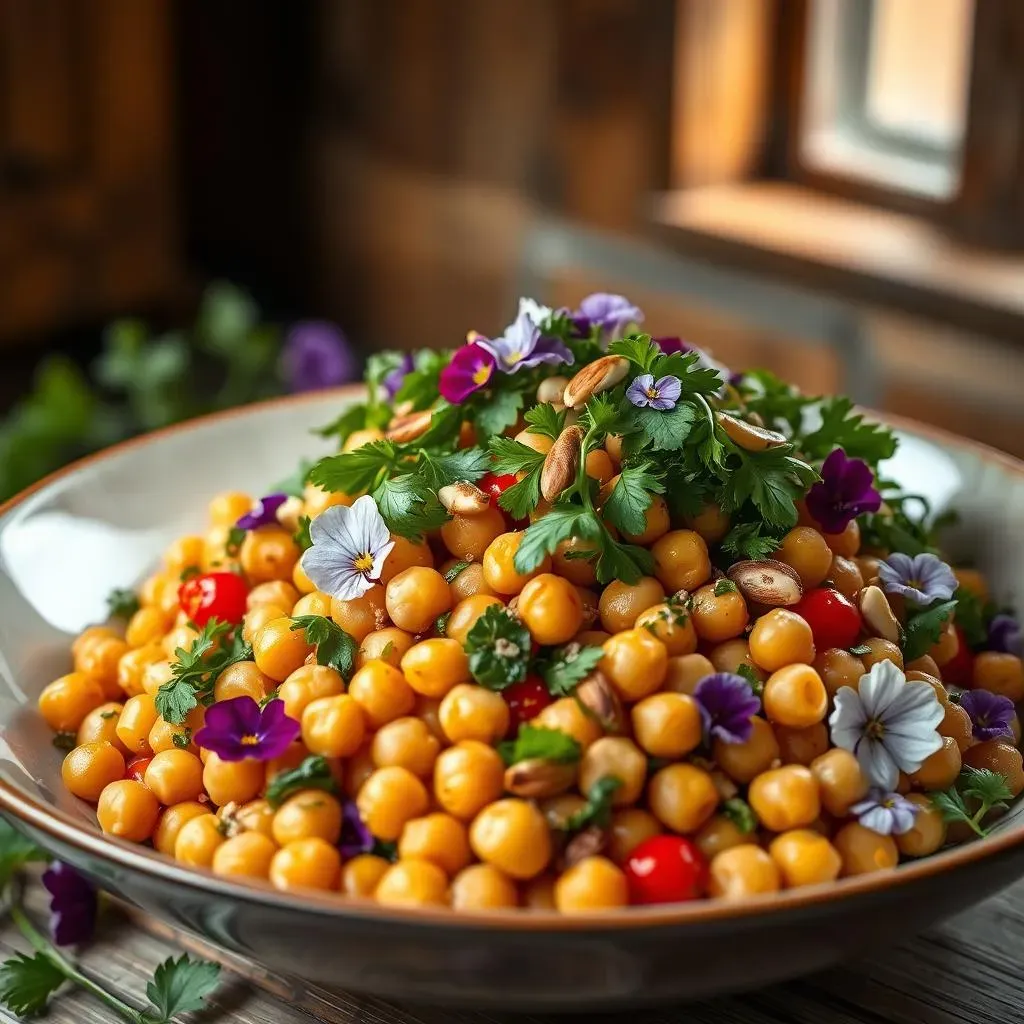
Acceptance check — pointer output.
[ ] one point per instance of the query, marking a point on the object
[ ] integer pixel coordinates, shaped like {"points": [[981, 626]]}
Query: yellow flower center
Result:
{"points": [[514, 357], [250, 741], [363, 562], [482, 374], [652, 392]]}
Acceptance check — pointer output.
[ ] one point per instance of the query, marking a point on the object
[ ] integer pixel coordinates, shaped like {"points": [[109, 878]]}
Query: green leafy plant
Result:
{"points": [[976, 793]]}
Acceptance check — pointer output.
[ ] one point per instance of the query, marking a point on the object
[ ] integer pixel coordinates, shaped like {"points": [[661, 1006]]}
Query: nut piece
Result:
{"points": [[288, 514], [767, 582], [878, 616], [463, 498], [595, 377], [588, 843], [561, 463], [407, 428], [749, 437], [596, 695], [551, 390], [538, 777]]}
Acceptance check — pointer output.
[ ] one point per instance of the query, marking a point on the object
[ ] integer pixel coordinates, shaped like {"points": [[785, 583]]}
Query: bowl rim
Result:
{"points": [[66, 829]]}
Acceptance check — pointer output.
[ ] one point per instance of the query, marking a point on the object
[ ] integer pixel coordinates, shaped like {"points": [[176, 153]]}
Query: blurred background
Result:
{"points": [[830, 188]]}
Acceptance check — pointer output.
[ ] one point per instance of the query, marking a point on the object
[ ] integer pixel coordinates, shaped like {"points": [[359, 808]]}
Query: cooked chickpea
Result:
{"points": [[635, 663], [232, 781], [128, 810], [795, 696], [466, 613], [278, 649], [999, 673], [198, 840], [306, 684], [593, 884], [576, 570], [957, 724], [412, 883], [137, 719], [438, 838], [467, 777], [89, 769], [929, 832], [672, 625], [838, 668], [621, 604], [175, 776], [1001, 757], [247, 855], [279, 593], [681, 560], [358, 768], [306, 864], [656, 523], [304, 585], [362, 874], [255, 620], [101, 724], [67, 700], [432, 667], [864, 851], [745, 761], [415, 598], [847, 542], [802, 746], [172, 821], [717, 834], [147, 626], [619, 758], [710, 522], [406, 554], [483, 887], [333, 726], [551, 609], [513, 836], [242, 679], [568, 716], [469, 582], [805, 857], [470, 712], [841, 783], [806, 551], [389, 798], [91, 634], [468, 537], [946, 648], [362, 615], [382, 692], [785, 798], [500, 572], [407, 742], [742, 871], [780, 638], [180, 636], [880, 650], [719, 614], [684, 673], [939, 770], [629, 827], [307, 814], [256, 816], [667, 724], [313, 603], [268, 553], [226, 508], [388, 644], [682, 797], [845, 576]]}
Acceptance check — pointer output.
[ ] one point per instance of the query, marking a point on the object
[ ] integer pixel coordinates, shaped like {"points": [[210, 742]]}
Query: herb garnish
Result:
{"points": [[122, 603], [534, 741], [313, 773], [334, 647], [985, 789], [498, 646], [563, 668]]}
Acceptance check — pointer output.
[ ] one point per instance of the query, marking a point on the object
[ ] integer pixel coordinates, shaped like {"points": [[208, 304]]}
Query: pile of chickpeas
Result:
{"points": [[412, 739]]}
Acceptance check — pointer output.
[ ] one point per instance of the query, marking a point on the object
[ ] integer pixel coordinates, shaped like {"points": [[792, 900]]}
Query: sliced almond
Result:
{"points": [[768, 582], [561, 463], [538, 777], [748, 436], [596, 695], [879, 618], [463, 499], [595, 377], [588, 843], [551, 390], [407, 428]]}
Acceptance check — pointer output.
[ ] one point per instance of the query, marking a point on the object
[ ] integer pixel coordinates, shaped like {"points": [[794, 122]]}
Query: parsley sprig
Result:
{"points": [[975, 794], [498, 646], [334, 647], [564, 668], [535, 741]]}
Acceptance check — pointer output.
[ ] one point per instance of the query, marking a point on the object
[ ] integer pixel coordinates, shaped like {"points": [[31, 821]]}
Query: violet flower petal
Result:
{"points": [[991, 714], [317, 355], [727, 706], [262, 513], [923, 579], [237, 730], [73, 904], [393, 381], [470, 369], [1005, 635], [356, 838], [844, 492]]}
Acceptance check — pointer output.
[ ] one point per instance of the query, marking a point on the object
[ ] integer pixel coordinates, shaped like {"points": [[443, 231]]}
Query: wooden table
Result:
{"points": [[967, 971]]}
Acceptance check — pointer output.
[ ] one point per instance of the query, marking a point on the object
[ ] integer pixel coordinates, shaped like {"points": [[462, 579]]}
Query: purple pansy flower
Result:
{"points": [[356, 838], [612, 314], [1005, 635], [727, 705], [845, 491], [469, 370], [522, 346], [990, 713], [72, 905], [263, 512], [237, 729], [317, 355], [393, 381], [922, 579], [888, 814], [661, 394]]}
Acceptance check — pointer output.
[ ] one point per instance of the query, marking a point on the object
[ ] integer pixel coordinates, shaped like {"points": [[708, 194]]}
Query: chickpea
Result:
{"points": [[745, 761], [278, 649], [841, 783], [180, 636], [306, 864], [576, 570], [416, 597], [957, 724], [592, 884], [467, 777], [228, 507], [100, 725], [635, 663], [388, 645], [333, 726], [999, 673], [466, 613], [406, 554], [568, 716], [670, 623], [717, 834], [500, 572], [613, 446], [469, 582], [939, 770], [128, 810], [621, 604], [780, 638], [279, 593], [629, 827], [147, 626], [1001, 757], [175, 776], [247, 855], [468, 537], [469, 712], [974, 582], [89, 769], [710, 522], [656, 523], [838, 668], [929, 832], [306, 684], [806, 551], [88, 637], [407, 742], [684, 673], [232, 781], [255, 620], [805, 857], [846, 577], [358, 769], [682, 797], [947, 647], [198, 840], [137, 719], [513, 836], [65, 703], [242, 679], [592, 637], [432, 667], [428, 711], [482, 887], [619, 758], [268, 553], [785, 798], [667, 724], [743, 871], [360, 616], [256, 816], [864, 851], [412, 883], [795, 696], [551, 608], [172, 821], [438, 838], [847, 543], [880, 650], [681, 560], [802, 746], [304, 585], [308, 813], [719, 616], [389, 798], [382, 692], [313, 603], [362, 874]]}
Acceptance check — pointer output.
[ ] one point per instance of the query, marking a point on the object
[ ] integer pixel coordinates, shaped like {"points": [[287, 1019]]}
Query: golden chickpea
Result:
{"points": [[467, 777], [382, 692], [613, 446], [578, 570], [999, 673], [184, 553], [957, 724], [406, 554], [973, 581], [780, 638], [719, 833], [388, 644], [802, 746], [362, 874], [256, 816], [880, 650], [805, 857], [947, 647], [137, 719], [500, 572], [416, 597], [307, 814], [925, 665], [656, 523], [806, 551], [314, 603], [929, 832], [180, 636], [304, 585], [228, 507], [412, 883], [483, 887], [838, 668], [785, 798], [682, 797], [846, 543], [629, 827], [566, 715], [428, 711], [710, 522], [468, 537], [128, 810], [438, 838], [621, 604], [551, 609], [358, 768], [432, 667], [155, 675], [1001, 757], [242, 679], [67, 700], [684, 673], [279, 593], [255, 620], [743, 871], [172, 821], [719, 613], [333, 726], [268, 553], [845, 575], [670, 623], [306, 864], [362, 615], [247, 855], [469, 582], [939, 770], [89, 769], [591, 885], [175, 776], [389, 798], [100, 725], [279, 650], [864, 851], [306, 684], [635, 663], [667, 724], [469, 712], [841, 783], [681, 560], [407, 742], [745, 761], [795, 696], [232, 781], [198, 839], [147, 626], [466, 613], [619, 758], [513, 836]]}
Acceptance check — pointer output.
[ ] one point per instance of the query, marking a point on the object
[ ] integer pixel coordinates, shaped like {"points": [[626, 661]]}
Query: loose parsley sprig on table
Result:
{"points": [[985, 789]]}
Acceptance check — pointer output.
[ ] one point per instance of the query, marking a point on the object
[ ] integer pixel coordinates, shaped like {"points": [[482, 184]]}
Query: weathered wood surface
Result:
{"points": [[967, 971]]}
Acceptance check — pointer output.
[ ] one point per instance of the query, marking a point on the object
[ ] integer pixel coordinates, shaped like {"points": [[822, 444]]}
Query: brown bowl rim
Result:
{"points": [[66, 829]]}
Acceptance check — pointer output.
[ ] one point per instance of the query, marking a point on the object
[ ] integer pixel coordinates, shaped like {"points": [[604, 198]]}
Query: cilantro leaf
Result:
{"points": [[533, 741], [302, 538], [439, 470], [925, 628], [545, 420], [356, 471], [630, 498], [599, 806], [122, 603], [408, 506], [16, 850], [639, 349], [179, 986], [773, 481], [500, 411], [751, 540], [313, 773], [510, 456], [668, 429], [567, 666], [26, 983], [542, 537], [498, 646], [334, 647], [606, 416], [740, 814], [843, 427]]}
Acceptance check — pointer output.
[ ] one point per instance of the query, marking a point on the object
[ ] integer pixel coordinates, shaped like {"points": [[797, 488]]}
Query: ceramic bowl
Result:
{"points": [[103, 523]]}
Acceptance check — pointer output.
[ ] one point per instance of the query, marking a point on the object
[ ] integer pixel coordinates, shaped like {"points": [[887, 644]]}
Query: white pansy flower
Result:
{"points": [[534, 310]]}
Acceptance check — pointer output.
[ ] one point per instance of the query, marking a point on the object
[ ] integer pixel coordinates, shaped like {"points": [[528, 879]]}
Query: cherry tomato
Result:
{"points": [[834, 620], [494, 484], [218, 595], [666, 869], [136, 768], [959, 670], [525, 700]]}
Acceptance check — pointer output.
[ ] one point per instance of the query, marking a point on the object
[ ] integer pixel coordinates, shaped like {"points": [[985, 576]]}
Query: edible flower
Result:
{"points": [[356, 838], [262, 513], [469, 370], [539, 314], [394, 379], [660, 394], [1005, 635], [349, 546], [844, 492], [522, 346], [73, 904], [990, 713], [237, 729], [611, 314], [888, 814], [316, 355], [727, 706], [889, 723], [922, 579]]}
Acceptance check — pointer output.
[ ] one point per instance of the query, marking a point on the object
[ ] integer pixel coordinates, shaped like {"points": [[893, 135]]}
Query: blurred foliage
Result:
{"points": [[141, 382]]}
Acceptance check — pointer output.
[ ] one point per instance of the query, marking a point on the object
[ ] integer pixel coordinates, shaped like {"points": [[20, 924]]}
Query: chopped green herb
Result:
{"points": [[985, 789], [313, 773], [498, 646], [534, 741], [182, 740], [924, 629], [122, 603], [740, 814], [564, 668], [334, 647], [725, 586], [860, 650], [599, 805], [303, 541]]}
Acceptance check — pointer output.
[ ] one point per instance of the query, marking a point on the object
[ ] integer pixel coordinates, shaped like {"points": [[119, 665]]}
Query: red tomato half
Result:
{"points": [[218, 595], [525, 700], [136, 768], [960, 669], [495, 484], [834, 620], [666, 869]]}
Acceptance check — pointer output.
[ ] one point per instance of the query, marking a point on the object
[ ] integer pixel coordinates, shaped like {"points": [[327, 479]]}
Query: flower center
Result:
{"points": [[652, 392], [482, 374], [363, 562], [514, 356], [250, 741], [875, 729]]}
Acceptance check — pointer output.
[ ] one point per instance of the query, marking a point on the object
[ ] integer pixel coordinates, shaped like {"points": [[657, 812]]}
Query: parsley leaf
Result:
{"points": [[179, 986], [843, 427], [510, 456], [420, 385], [752, 678], [599, 806], [439, 470], [16, 851], [356, 471], [534, 741], [639, 349], [565, 667], [779, 404], [26, 983], [182, 740], [303, 541], [542, 537], [667, 429], [972, 616], [500, 411], [773, 481], [122, 603], [751, 540], [725, 586], [334, 647], [408, 506], [313, 773], [498, 646], [603, 415], [625, 562], [630, 498], [740, 814], [925, 628], [355, 417], [986, 789], [694, 377], [544, 419]]}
